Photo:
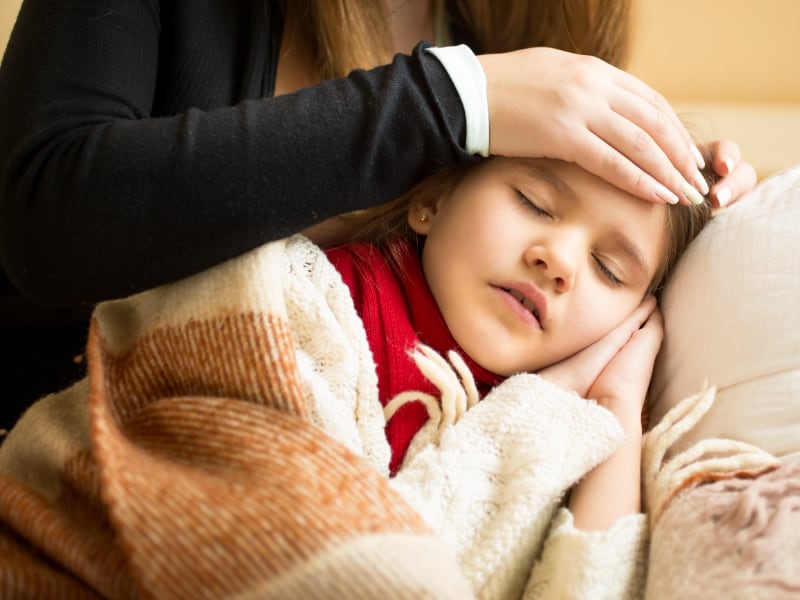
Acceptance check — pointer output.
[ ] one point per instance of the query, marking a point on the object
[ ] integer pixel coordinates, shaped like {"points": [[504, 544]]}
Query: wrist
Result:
{"points": [[466, 73], [627, 412]]}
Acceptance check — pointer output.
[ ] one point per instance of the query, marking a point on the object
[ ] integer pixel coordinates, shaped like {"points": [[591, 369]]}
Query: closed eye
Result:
{"points": [[531, 205], [606, 272]]}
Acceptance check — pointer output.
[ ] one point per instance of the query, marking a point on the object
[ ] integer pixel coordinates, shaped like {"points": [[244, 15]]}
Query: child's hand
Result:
{"points": [[580, 371], [612, 489], [622, 385]]}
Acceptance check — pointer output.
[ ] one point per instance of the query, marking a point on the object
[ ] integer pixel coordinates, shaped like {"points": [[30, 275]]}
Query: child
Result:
{"points": [[230, 437], [521, 266]]}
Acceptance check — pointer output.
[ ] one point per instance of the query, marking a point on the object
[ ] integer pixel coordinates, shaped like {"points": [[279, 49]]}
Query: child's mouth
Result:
{"points": [[524, 301]]}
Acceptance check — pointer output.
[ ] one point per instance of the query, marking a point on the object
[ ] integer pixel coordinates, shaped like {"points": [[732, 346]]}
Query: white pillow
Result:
{"points": [[732, 318]]}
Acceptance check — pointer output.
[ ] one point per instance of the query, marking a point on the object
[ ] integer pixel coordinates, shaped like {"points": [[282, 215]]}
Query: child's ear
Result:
{"points": [[420, 216]]}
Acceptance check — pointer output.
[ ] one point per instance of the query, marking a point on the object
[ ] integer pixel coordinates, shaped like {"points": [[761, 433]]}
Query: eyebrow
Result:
{"points": [[547, 176], [625, 244], [630, 249]]}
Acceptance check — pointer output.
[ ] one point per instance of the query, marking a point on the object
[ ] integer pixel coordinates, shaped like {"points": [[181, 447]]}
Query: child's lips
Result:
{"points": [[528, 297]]}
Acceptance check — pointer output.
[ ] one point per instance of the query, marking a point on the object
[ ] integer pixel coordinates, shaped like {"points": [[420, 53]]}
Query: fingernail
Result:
{"points": [[728, 162], [698, 157], [691, 194], [723, 195], [700, 183], [664, 194]]}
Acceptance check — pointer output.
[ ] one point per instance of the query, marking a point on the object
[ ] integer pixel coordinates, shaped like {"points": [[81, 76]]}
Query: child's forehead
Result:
{"points": [[568, 180], [572, 182], [554, 173], [618, 215]]}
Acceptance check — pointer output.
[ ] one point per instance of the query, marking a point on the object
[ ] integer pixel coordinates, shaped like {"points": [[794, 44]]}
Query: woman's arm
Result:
{"points": [[137, 145], [135, 148]]}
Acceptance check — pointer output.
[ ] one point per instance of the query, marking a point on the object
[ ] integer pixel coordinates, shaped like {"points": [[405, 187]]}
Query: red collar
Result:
{"points": [[428, 319], [398, 311]]}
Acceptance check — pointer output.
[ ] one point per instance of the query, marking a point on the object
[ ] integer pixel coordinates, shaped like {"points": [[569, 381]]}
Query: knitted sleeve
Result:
{"points": [[492, 483], [592, 565], [333, 356]]}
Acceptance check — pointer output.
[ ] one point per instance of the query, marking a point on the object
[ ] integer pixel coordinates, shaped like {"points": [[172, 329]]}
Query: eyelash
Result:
{"points": [[528, 203], [604, 270]]}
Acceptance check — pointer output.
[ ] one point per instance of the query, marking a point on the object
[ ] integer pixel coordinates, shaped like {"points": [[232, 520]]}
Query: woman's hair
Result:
{"points": [[349, 34], [385, 224], [597, 27]]}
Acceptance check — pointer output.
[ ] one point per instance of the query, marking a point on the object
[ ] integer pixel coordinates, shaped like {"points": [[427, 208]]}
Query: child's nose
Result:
{"points": [[557, 261]]}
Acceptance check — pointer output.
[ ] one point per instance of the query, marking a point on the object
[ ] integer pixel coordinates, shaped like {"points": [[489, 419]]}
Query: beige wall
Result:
{"points": [[733, 50], [8, 12], [732, 64], [711, 50], [730, 67]]}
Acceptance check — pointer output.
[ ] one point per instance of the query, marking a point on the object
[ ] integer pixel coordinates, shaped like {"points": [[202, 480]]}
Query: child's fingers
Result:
{"points": [[604, 350], [646, 341], [624, 382], [578, 372], [634, 322], [599, 354]]}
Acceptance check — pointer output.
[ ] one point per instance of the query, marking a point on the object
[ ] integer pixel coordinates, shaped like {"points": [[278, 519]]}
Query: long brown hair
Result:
{"points": [[349, 34], [597, 27]]}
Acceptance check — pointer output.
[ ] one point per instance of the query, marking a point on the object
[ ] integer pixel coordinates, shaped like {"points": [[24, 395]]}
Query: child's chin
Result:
{"points": [[494, 363]]}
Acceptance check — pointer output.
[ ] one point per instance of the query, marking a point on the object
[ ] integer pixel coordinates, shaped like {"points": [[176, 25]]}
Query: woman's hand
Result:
{"points": [[580, 372], [549, 103], [736, 177]]}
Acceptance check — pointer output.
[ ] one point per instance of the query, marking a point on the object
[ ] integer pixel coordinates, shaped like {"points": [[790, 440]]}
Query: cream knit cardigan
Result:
{"points": [[488, 479]]}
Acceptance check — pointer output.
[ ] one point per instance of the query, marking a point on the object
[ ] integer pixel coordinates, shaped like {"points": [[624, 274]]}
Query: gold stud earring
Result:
{"points": [[423, 217]]}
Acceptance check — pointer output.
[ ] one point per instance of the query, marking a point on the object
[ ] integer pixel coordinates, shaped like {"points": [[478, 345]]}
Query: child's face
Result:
{"points": [[580, 252]]}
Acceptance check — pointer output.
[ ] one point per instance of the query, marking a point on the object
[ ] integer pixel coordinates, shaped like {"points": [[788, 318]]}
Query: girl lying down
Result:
{"points": [[448, 405]]}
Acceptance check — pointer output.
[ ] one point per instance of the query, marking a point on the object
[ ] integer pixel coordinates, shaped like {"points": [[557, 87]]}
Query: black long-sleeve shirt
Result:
{"points": [[140, 143]]}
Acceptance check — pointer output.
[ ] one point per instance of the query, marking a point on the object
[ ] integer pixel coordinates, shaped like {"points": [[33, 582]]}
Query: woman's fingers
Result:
{"points": [[665, 116], [725, 155], [611, 155], [737, 177], [651, 136], [549, 103]]}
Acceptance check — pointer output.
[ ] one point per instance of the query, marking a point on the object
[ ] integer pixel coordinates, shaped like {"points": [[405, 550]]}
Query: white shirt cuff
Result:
{"points": [[469, 80]]}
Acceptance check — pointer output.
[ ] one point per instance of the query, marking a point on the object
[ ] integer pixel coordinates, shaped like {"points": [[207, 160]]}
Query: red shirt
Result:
{"points": [[398, 311]]}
